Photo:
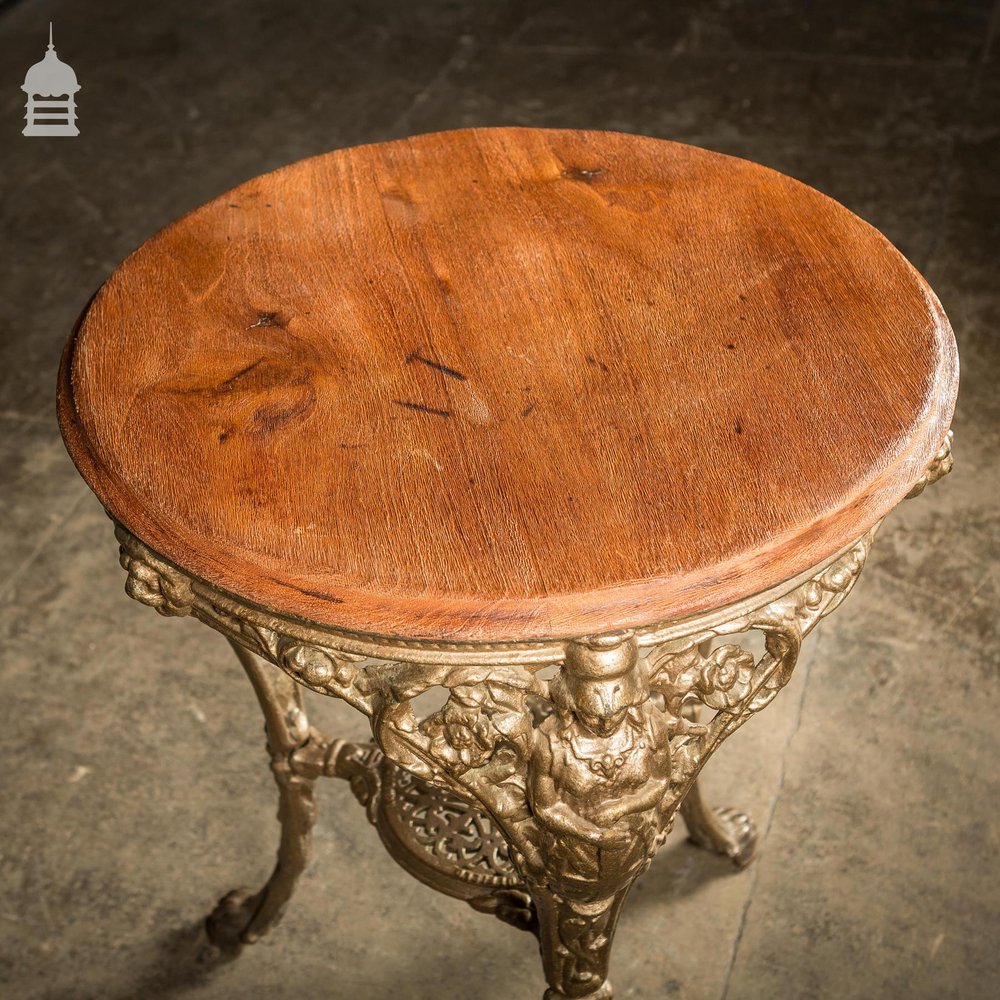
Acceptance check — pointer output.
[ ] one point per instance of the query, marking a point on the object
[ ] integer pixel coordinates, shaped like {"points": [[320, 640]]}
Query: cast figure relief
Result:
{"points": [[599, 770]]}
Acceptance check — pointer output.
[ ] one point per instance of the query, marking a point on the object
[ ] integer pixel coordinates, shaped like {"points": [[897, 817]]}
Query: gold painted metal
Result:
{"points": [[940, 466], [537, 798]]}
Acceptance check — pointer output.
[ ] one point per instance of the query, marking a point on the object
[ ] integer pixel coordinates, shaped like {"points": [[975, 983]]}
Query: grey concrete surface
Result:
{"points": [[133, 784]]}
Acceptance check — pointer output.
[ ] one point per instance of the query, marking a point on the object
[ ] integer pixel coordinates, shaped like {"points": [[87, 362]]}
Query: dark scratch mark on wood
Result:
{"points": [[586, 174], [527, 409], [591, 360], [267, 319], [309, 593], [422, 408], [242, 373], [444, 369], [738, 427], [320, 595]]}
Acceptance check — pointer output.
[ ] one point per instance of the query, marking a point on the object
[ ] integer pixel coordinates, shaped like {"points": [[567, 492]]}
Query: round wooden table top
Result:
{"points": [[507, 384]]}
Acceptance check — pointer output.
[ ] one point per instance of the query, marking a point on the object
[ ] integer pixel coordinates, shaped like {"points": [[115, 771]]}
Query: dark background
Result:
{"points": [[132, 779]]}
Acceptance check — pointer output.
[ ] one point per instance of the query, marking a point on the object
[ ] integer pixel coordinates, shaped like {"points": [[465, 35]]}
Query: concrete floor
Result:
{"points": [[133, 786]]}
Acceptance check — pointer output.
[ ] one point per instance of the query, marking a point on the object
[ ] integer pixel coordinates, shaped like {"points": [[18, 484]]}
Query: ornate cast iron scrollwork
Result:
{"points": [[940, 466], [537, 799], [582, 774]]}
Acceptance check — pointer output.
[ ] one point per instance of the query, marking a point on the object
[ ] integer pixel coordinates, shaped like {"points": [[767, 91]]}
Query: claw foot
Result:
{"points": [[228, 924], [729, 832]]}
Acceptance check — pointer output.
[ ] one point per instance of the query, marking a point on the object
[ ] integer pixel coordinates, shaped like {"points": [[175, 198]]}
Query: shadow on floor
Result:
{"points": [[186, 960], [679, 871]]}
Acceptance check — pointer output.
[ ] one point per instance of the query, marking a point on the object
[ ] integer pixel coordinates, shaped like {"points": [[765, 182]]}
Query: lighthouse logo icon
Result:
{"points": [[51, 87]]}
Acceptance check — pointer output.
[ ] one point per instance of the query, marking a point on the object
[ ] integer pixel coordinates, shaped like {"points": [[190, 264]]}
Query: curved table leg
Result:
{"points": [[724, 831], [721, 830], [242, 917]]}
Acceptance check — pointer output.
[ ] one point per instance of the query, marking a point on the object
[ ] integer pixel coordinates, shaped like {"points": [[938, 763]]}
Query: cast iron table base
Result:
{"points": [[539, 799]]}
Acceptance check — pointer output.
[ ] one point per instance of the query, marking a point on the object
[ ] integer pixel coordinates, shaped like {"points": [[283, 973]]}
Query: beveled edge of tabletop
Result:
{"points": [[636, 604], [631, 604]]}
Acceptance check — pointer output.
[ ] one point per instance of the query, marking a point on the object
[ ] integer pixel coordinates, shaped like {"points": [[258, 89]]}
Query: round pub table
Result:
{"points": [[544, 425]]}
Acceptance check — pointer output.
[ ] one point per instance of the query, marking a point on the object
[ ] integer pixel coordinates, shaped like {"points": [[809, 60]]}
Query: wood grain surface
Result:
{"points": [[503, 384]]}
